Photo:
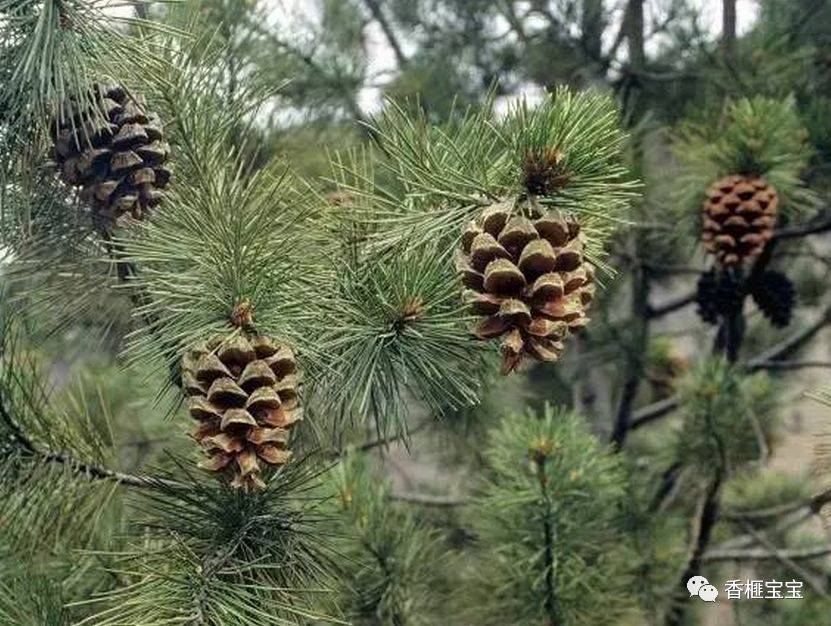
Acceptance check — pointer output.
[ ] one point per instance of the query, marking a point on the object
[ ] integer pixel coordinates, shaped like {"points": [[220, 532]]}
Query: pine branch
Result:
{"points": [[792, 343], [813, 503], [791, 365], [704, 522], [766, 554], [787, 560], [95, 472], [552, 605], [669, 307], [640, 313], [14, 429], [657, 410], [820, 224], [383, 442], [88, 470], [378, 15], [426, 499]]}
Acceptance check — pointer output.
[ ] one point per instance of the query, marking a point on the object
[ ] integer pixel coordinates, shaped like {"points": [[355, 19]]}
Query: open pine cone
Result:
{"points": [[527, 278], [113, 149], [739, 214], [243, 394]]}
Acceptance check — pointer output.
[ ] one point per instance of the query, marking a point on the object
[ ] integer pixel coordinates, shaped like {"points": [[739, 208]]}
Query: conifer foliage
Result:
{"points": [[549, 526], [255, 341]]}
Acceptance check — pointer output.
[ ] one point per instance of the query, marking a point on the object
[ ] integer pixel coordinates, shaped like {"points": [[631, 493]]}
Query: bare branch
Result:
{"points": [[425, 499], [820, 224], [668, 307], [656, 410], [765, 554], [791, 365]]}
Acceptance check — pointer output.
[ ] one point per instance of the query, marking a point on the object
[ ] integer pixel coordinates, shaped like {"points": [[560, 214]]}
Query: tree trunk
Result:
{"points": [[728, 28], [634, 34], [591, 27], [374, 7]]}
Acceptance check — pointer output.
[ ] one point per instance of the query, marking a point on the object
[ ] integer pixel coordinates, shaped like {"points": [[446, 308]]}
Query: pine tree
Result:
{"points": [[399, 342]]}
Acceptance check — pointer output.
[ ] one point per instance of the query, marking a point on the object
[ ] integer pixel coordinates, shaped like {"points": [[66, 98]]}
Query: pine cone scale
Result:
{"points": [[113, 149], [243, 395], [527, 279], [739, 214]]}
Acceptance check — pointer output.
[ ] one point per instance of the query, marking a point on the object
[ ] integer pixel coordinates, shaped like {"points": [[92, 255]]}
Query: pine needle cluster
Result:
{"points": [[756, 136], [450, 172], [548, 521], [391, 560], [729, 417]]}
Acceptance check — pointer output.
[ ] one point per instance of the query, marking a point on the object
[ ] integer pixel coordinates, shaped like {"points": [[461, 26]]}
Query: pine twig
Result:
{"points": [[425, 499], [383, 442], [704, 522], [100, 473], [791, 365], [820, 224], [766, 554], [781, 526], [787, 560], [552, 605], [656, 410], [669, 307], [813, 503], [79, 467], [640, 313]]}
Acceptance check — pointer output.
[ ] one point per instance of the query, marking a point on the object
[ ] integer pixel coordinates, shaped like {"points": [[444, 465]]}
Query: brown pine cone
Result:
{"points": [[243, 394], [739, 214], [113, 149], [527, 278]]}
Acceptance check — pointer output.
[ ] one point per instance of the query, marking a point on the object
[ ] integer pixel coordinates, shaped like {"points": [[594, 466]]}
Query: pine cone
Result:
{"points": [[113, 149], [243, 394], [528, 278], [718, 295], [739, 214], [775, 296]]}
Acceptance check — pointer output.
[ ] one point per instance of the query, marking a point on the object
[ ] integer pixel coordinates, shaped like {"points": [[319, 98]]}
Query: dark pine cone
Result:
{"points": [[113, 148], [719, 294], [775, 296]]}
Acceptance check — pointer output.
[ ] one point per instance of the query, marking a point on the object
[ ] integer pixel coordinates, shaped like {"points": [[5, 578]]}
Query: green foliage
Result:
{"points": [[48, 452], [223, 238], [400, 333], [227, 232], [31, 599], [728, 417], [548, 525], [52, 49], [450, 172], [757, 136], [390, 559], [210, 554]]}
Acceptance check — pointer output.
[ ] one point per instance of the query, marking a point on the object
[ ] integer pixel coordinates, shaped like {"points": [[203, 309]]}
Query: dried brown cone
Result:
{"points": [[243, 395], [110, 146], [527, 277], [739, 214]]}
